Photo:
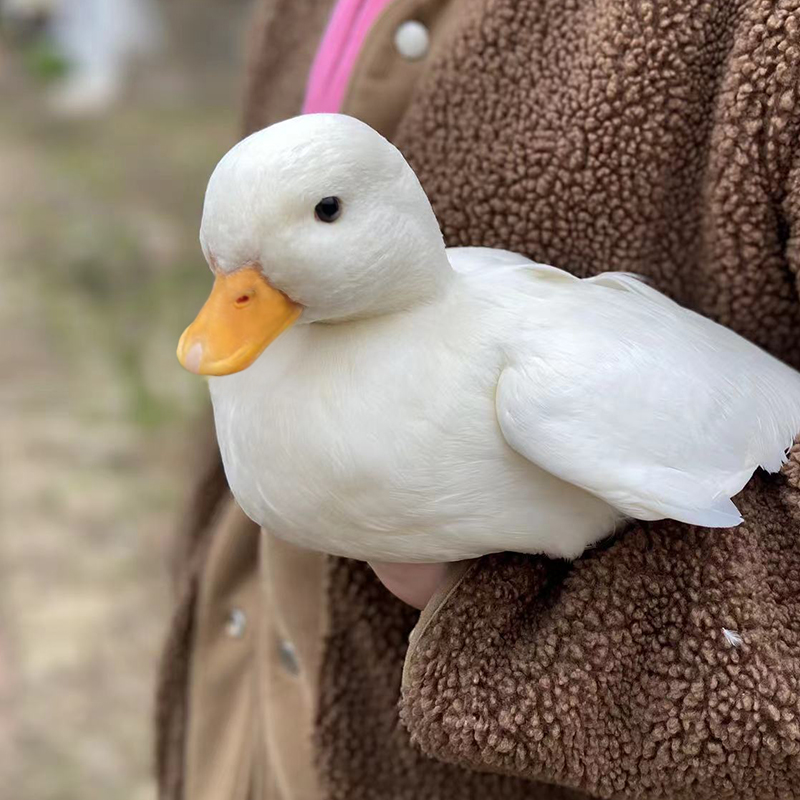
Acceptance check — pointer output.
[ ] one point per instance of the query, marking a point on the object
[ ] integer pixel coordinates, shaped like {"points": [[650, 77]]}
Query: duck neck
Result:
{"points": [[427, 284]]}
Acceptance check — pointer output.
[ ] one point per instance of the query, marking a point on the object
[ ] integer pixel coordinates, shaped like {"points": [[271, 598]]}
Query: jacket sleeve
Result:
{"points": [[665, 663]]}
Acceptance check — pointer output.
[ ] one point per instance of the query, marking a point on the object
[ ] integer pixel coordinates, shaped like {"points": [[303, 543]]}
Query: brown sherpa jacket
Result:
{"points": [[658, 137]]}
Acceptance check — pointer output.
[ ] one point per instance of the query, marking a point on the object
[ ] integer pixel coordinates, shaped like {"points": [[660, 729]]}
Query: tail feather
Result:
{"points": [[723, 514]]}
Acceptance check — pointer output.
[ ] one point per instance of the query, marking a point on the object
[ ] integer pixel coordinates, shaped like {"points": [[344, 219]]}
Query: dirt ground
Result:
{"points": [[99, 272]]}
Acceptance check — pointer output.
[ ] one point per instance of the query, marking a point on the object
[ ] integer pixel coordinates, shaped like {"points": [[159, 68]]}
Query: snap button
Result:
{"points": [[236, 623], [412, 40], [288, 657]]}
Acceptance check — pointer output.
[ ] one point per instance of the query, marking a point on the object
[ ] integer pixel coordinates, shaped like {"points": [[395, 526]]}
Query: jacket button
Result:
{"points": [[288, 657], [236, 623], [412, 40]]}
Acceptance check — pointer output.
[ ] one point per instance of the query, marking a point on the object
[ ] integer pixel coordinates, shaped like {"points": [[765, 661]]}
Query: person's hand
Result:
{"points": [[412, 583]]}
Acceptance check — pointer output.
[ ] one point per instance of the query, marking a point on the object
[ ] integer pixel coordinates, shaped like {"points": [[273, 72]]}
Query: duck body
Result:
{"points": [[522, 410], [380, 397]]}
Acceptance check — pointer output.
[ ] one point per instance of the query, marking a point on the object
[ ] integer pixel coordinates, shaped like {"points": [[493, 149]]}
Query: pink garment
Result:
{"points": [[330, 73]]}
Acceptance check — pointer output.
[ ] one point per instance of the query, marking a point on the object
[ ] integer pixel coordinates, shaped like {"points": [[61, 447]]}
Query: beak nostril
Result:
{"points": [[243, 300]]}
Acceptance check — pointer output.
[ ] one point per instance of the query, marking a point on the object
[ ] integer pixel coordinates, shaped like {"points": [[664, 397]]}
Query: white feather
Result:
{"points": [[661, 412], [732, 637]]}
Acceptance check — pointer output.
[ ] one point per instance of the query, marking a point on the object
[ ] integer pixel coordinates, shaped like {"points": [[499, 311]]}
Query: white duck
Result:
{"points": [[430, 404]]}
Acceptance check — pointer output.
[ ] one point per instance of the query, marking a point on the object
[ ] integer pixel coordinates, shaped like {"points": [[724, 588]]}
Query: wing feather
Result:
{"points": [[657, 410]]}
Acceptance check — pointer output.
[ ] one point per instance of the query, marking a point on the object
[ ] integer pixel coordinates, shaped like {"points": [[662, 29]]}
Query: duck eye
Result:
{"points": [[328, 209]]}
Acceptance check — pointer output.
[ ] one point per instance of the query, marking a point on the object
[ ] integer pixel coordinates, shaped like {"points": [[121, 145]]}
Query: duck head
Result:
{"points": [[314, 220]]}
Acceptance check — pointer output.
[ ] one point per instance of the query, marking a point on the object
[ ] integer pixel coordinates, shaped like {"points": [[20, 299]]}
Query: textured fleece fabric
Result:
{"points": [[658, 138]]}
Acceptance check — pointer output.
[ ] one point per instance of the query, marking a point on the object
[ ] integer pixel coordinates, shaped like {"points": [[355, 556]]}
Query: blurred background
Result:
{"points": [[112, 116]]}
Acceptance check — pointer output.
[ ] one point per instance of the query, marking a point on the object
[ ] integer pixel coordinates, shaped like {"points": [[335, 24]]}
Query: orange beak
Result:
{"points": [[241, 317]]}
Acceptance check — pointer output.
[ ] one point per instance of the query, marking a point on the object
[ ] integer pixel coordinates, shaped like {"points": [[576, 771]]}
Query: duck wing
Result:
{"points": [[489, 261], [655, 409]]}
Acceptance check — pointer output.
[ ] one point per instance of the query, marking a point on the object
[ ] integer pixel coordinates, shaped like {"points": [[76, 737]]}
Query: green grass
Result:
{"points": [[43, 61]]}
